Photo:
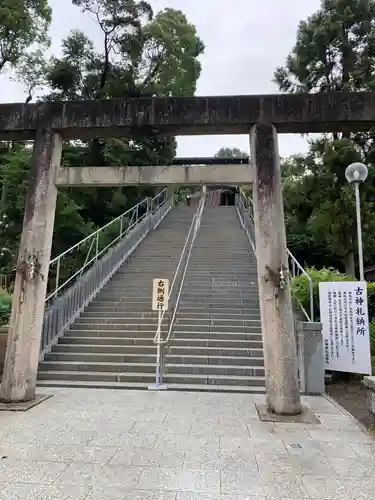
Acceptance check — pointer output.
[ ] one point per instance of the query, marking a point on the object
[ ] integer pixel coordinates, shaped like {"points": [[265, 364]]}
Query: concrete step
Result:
{"points": [[224, 335], [215, 351], [120, 308], [171, 358], [78, 338], [101, 376], [143, 302], [206, 341], [149, 378], [111, 326], [144, 386], [179, 330], [214, 341], [231, 361], [196, 316], [216, 286], [150, 350], [220, 303], [230, 293], [73, 348], [199, 310], [79, 357], [118, 315], [219, 273], [108, 308], [150, 366], [139, 334], [185, 320], [99, 367], [224, 327], [178, 334], [218, 281], [117, 323], [214, 311], [214, 370], [205, 266]]}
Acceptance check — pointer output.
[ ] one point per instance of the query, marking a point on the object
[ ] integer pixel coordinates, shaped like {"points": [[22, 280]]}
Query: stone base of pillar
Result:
{"points": [[305, 417], [24, 405]]}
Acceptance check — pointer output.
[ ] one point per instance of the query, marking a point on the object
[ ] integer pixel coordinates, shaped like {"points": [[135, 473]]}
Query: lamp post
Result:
{"points": [[355, 174]]}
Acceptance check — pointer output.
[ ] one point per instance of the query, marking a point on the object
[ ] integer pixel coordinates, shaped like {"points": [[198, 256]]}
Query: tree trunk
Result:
{"points": [[349, 264]]}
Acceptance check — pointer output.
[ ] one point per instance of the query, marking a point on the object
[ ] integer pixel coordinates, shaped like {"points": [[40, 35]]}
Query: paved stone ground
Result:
{"points": [[112, 445]]}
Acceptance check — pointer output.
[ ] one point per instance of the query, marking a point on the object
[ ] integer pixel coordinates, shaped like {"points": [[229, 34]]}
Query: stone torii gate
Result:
{"points": [[262, 117]]}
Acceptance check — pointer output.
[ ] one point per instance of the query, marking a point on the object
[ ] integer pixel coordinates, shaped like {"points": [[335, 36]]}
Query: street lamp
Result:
{"points": [[355, 174]]}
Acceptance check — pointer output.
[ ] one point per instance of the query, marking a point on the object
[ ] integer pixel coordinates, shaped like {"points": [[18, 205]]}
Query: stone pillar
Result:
{"points": [[280, 351], [23, 347]]}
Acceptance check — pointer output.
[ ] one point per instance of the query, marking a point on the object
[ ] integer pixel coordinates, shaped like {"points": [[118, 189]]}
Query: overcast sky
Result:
{"points": [[245, 41]]}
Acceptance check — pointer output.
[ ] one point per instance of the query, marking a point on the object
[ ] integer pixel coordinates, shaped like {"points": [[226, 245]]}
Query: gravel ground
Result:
{"points": [[352, 396]]}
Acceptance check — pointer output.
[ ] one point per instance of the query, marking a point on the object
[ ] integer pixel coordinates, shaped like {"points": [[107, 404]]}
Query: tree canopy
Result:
{"points": [[334, 51], [231, 153], [23, 23], [141, 54]]}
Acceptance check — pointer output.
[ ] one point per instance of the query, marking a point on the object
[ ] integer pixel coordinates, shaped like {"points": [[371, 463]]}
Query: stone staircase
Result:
{"points": [[111, 343], [217, 342], [217, 339]]}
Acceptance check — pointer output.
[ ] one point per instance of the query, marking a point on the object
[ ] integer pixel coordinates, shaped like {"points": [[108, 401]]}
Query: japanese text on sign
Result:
{"points": [[344, 317], [160, 292]]}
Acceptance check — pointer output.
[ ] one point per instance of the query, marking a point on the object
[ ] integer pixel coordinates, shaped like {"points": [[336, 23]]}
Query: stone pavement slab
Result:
{"points": [[87, 444]]}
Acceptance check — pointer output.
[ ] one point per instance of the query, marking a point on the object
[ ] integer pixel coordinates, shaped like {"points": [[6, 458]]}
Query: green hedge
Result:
{"points": [[5, 306], [300, 288]]}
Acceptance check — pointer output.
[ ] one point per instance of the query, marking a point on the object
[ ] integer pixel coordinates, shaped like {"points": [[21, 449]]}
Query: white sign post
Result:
{"points": [[160, 298], [344, 317]]}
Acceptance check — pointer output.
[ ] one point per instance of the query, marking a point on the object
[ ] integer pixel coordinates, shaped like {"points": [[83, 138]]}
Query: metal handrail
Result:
{"points": [[162, 343], [296, 268], [129, 219], [197, 223], [191, 235], [66, 308]]}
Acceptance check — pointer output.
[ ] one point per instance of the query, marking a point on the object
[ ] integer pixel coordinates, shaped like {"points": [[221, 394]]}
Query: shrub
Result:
{"points": [[301, 291], [371, 300], [372, 336], [5, 307]]}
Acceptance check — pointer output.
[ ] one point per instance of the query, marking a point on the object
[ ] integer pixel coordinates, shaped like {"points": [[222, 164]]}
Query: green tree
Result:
{"points": [[334, 51], [140, 56], [320, 206], [175, 48], [231, 153], [23, 23]]}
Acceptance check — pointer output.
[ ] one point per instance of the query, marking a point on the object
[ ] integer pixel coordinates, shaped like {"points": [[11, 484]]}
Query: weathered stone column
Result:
{"points": [[22, 355], [282, 388]]}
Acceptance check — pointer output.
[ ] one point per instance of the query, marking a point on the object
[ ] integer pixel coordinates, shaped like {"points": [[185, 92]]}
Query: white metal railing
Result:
{"points": [[295, 268], [99, 242], [67, 306], [175, 292]]}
